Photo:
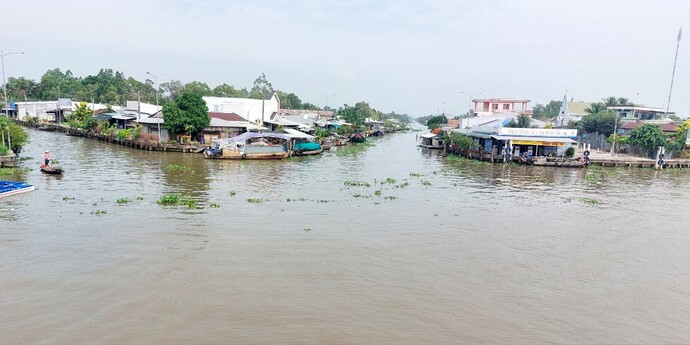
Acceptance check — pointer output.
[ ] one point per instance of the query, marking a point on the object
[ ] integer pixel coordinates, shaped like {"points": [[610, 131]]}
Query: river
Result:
{"points": [[387, 244]]}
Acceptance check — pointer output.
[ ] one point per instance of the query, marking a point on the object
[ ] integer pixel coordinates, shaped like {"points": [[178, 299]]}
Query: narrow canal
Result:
{"points": [[388, 244]]}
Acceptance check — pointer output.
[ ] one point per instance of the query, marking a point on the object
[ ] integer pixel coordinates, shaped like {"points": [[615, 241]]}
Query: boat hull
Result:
{"points": [[266, 153]]}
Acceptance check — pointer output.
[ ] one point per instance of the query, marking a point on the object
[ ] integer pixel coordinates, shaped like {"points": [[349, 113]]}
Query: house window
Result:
{"points": [[494, 107], [506, 107]]}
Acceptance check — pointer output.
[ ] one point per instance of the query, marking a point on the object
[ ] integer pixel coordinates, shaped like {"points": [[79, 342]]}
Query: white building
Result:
{"points": [[45, 110], [254, 110], [631, 113]]}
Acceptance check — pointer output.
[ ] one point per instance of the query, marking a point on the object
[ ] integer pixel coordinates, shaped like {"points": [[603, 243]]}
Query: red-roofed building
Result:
{"points": [[666, 128]]}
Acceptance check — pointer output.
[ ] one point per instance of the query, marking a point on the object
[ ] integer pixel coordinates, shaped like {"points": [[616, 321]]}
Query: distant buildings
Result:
{"points": [[492, 106], [632, 113]]}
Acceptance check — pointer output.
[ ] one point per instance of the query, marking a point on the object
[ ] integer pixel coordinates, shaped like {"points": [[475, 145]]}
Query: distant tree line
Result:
{"points": [[362, 111], [114, 88]]}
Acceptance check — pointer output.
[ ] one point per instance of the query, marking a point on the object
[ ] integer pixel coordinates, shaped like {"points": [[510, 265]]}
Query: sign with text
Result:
{"points": [[540, 143], [540, 132]]}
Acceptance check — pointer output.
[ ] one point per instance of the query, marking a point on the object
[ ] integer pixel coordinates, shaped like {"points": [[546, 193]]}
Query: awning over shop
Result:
{"points": [[541, 141]]}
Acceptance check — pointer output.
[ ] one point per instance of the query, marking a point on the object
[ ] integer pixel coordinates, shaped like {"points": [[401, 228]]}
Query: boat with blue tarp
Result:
{"points": [[8, 188]]}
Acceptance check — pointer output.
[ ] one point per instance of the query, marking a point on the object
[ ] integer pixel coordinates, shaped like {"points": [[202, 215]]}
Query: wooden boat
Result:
{"points": [[357, 138], [49, 169], [304, 148], [8, 188], [47, 128], [250, 145]]}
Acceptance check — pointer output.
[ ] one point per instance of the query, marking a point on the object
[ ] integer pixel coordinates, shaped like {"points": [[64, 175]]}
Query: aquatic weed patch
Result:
{"points": [[232, 193], [357, 184], [389, 181], [255, 200], [174, 200], [178, 167], [123, 201], [591, 201], [99, 212]]}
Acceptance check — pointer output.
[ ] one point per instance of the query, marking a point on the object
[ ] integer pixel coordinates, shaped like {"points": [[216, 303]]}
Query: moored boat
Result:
{"points": [[250, 145], [8, 188], [47, 128], [358, 138], [305, 147]]}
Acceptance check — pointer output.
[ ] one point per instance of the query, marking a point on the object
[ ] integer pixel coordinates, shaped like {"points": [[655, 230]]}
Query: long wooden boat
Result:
{"points": [[49, 169], [250, 145], [8, 188]]}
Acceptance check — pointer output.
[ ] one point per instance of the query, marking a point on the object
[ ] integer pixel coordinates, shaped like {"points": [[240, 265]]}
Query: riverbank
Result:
{"points": [[147, 145], [603, 159]]}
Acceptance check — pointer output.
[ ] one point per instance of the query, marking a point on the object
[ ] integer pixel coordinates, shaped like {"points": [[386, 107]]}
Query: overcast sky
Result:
{"points": [[410, 57]]}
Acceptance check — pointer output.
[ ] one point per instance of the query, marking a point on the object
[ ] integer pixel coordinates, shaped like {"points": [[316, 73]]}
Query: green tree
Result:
{"points": [[648, 137], [261, 88], [436, 121], [188, 114], [81, 116], [289, 100], [602, 122], [596, 108], [523, 121], [198, 88], [547, 111], [172, 90], [17, 134], [18, 88], [225, 90]]}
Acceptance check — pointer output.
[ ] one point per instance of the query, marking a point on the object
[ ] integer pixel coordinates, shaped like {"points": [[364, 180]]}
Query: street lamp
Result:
{"points": [[155, 79], [4, 83], [471, 96], [327, 97]]}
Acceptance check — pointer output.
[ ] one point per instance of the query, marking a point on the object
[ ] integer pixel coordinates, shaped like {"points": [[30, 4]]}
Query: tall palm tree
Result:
{"points": [[610, 101], [595, 108], [624, 101]]}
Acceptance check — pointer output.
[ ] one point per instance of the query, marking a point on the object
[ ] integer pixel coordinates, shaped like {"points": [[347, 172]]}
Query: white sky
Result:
{"points": [[402, 56]]}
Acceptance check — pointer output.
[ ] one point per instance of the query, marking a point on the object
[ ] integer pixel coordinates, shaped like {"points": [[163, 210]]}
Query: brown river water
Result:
{"points": [[452, 251]]}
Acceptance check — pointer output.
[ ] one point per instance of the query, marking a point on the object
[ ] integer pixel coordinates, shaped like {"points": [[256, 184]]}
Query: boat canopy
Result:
{"points": [[295, 134], [251, 135]]}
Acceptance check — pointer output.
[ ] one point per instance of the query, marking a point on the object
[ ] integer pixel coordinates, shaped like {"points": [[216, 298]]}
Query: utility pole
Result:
{"points": [[471, 96], [4, 82], [155, 79], [668, 104]]}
